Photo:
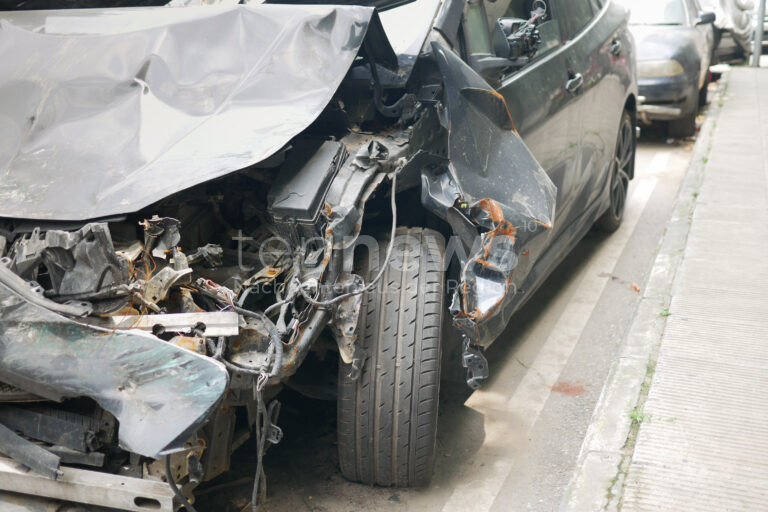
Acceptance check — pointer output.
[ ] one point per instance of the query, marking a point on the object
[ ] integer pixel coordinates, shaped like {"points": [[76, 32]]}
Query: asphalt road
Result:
{"points": [[513, 444]]}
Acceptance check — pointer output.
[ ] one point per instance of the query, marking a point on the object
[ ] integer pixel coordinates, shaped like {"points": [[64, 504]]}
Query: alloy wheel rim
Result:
{"points": [[621, 164]]}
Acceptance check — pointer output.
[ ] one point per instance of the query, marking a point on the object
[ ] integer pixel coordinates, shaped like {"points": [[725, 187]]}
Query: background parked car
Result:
{"points": [[734, 21], [674, 41]]}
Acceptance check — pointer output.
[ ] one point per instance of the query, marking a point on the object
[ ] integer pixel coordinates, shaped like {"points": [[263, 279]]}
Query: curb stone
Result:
{"points": [[599, 473]]}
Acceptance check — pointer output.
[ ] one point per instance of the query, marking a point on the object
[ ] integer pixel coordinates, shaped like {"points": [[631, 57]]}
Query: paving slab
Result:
{"points": [[702, 442], [683, 418]]}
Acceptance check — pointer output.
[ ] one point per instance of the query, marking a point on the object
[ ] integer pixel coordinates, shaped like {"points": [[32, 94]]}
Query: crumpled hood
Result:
{"points": [[104, 112]]}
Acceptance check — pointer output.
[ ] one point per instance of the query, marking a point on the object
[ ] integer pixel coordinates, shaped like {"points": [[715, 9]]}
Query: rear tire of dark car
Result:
{"points": [[622, 168], [683, 127], [387, 418]]}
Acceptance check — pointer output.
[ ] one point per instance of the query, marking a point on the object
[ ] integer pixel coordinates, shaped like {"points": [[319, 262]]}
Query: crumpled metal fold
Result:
{"points": [[159, 393], [106, 111], [497, 184]]}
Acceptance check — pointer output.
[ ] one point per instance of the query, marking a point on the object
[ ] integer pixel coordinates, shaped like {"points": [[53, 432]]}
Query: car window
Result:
{"points": [[574, 15], [477, 30], [656, 12], [549, 30]]}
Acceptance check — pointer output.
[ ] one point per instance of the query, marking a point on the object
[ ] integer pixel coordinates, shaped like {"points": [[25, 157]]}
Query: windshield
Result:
{"points": [[655, 12]]}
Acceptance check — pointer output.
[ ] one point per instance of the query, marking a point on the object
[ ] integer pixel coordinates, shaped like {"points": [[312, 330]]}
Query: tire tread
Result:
{"points": [[387, 418]]}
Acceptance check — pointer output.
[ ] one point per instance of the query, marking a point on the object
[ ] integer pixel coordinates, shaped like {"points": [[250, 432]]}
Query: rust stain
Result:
{"points": [[568, 388], [506, 107], [491, 209], [187, 342]]}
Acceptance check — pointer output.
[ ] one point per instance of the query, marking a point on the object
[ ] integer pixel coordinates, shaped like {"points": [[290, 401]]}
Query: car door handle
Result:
{"points": [[574, 83], [616, 48]]}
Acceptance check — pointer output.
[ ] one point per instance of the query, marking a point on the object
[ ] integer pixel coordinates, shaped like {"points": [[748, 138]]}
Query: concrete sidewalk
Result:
{"points": [[682, 423]]}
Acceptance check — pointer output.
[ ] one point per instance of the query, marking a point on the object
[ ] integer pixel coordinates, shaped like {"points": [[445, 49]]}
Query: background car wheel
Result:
{"points": [[683, 127], [387, 419], [703, 94], [622, 168]]}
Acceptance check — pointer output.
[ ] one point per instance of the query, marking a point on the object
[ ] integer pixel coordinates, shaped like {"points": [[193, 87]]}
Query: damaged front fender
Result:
{"points": [[491, 181]]}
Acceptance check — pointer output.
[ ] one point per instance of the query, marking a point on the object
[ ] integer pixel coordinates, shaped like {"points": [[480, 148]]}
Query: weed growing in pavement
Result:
{"points": [[665, 313], [638, 416]]}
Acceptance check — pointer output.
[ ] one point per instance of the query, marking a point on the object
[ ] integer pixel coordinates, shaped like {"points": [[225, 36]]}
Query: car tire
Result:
{"points": [[683, 127], [387, 417], [703, 94], [622, 169]]}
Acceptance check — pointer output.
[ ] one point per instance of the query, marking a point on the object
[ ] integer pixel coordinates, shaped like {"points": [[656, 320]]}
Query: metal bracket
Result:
{"points": [[476, 364], [90, 487], [356, 366], [29, 454], [274, 433]]}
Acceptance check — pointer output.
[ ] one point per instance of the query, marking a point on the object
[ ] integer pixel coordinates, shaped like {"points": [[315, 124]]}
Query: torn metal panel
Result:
{"points": [[157, 287], [158, 392], [161, 234], [78, 263], [33, 293], [345, 316], [130, 106], [494, 181]]}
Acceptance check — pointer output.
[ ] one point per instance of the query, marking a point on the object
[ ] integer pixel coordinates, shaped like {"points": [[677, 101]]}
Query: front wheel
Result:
{"points": [[387, 418], [622, 168]]}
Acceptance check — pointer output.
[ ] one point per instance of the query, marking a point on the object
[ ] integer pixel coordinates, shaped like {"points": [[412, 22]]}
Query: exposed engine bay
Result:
{"points": [[155, 297]]}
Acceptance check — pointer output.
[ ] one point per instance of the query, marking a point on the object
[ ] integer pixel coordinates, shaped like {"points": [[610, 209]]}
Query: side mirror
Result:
{"points": [[502, 29], [515, 38], [705, 18], [514, 42]]}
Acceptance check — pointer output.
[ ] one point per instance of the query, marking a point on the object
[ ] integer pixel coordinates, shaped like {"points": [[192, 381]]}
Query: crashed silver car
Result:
{"points": [[194, 200]]}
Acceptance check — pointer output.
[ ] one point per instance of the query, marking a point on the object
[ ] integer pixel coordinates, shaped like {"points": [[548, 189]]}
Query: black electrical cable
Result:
{"points": [[176, 491], [275, 306], [218, 354], [260, 427]]}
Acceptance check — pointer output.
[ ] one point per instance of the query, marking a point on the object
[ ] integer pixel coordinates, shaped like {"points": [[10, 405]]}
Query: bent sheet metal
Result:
{"points": [[103, 112], [160, 393], [496, 182]]}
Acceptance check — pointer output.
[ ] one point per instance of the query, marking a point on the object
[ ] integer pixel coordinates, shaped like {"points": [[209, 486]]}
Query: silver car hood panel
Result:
{"points": [[106, 111]]}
